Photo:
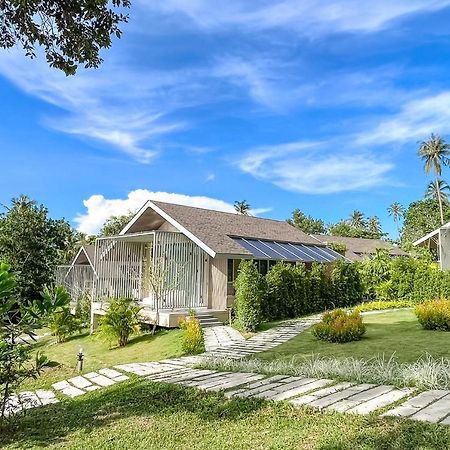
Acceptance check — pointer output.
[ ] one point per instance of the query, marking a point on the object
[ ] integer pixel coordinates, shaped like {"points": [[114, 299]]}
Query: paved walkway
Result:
{"points": [[221, 336], [430, 406]]}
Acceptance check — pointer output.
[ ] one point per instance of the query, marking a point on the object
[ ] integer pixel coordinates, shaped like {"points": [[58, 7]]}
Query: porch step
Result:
{"points": [[207, 320]]}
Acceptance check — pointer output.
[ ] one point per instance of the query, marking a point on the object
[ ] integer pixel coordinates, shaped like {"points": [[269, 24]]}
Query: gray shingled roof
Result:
{"points": [[90, 251], [358, 248], [215, 228]]}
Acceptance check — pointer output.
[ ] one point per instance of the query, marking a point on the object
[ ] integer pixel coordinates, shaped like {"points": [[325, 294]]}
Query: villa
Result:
{"points": [[438, 242]]}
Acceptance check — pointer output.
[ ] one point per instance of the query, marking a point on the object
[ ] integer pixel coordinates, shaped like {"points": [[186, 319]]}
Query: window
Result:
{"points": [[230, 270]]}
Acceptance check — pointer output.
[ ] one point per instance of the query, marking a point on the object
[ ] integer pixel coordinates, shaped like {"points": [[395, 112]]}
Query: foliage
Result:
{"points": [[115, 224], [306, 223], [61, 322], [32, 244], [17, 320], [338, 247], [340, 326], [346, 228], [420, 218], [83, 310], [193, 335], [70, 33], [396, 211], [250, 290], [438, 189], [242, 207], [434, 315], [346, 284], [383, 304], [120, 321]]}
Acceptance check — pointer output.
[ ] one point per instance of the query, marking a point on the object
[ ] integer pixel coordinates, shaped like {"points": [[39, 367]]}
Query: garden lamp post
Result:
{"points": [[80, 356]]}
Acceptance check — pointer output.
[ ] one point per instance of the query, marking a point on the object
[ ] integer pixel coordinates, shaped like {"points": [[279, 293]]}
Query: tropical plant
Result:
{"points": [[61, 322], [70, 33], [438, 190], [435, 153], [396, 210], [120, 321], [357, 219], [306, 223], [242, 207], [374, 225], [434, 315], [115, 224], [250, 291], [83, 310], [17, 321], [193, 335]]}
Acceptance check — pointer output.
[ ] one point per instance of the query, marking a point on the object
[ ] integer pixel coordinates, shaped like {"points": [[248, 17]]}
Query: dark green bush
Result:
{"points": [[250, 291], [346, 284], [434, 315], [340, 326]]}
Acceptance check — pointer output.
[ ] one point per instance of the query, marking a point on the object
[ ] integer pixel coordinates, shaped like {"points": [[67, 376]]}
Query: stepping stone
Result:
{"points": [[28, 400], [417, 403], [357, 399], [258, 387], [101, 380], [304, 400], [435, 412], [110, 373], [46, 397], [237, 380], [342, 394], [310, 385], [381, 401], [80, 382], [67, 389]]}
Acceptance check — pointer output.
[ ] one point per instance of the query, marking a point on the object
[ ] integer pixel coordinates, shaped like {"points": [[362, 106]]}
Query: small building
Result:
{"points": [[78, 277], [357, 249], [438, 242], [192, 255]]}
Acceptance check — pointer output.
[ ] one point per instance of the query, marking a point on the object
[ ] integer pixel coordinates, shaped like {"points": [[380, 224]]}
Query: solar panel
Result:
{"points": [[251, 248]]}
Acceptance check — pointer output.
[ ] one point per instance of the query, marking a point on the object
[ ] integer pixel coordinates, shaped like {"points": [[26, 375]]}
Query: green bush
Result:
{"points": [[61, 322], [120, 321], [83, 310], [193, 335], [340, 326], [250, 290], [346, 284], [381, 304], [434, 315]]}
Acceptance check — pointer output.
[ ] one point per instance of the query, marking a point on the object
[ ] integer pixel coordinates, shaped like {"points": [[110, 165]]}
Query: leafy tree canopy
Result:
{"points": [[32, 244], [70, 32], [346, 229], [421, 217], [306, 223], [115, 224]]}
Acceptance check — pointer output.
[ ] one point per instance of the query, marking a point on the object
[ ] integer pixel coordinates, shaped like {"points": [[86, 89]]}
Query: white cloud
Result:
{"points": [[99, 208], [416, 120], [210, 177], [308, 167], [308, 17]]}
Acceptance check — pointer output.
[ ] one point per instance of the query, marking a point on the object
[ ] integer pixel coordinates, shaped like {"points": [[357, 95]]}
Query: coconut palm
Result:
{"points": [[242, 207], [435, 153], [357, 219], [439, 190], [396, 211], [374, 225]]}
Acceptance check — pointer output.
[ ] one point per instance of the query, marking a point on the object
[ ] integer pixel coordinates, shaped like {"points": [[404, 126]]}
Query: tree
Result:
{"points": [[420, 218], [115, 224], [374, 225], [32, 244], [242, 207], [357, 219], [345, 229], [396, 211], [70, 33], [438, 190], [306, 223], [435, 153]]}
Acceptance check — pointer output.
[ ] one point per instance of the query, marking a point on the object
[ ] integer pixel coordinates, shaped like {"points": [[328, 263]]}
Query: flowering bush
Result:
{"points": [[193, 335], [340, 326], [383, 304], [434, 315]]}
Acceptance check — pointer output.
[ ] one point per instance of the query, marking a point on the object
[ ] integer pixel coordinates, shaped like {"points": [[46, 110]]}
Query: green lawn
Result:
{"points": [[141, 348], [387, 333], [143, 415]]}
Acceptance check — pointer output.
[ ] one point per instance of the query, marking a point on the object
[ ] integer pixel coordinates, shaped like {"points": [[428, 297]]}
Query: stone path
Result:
{"points": [[221, 336]]}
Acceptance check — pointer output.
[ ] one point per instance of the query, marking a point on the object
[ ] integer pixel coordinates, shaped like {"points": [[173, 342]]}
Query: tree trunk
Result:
{"points": [[440, 201]]}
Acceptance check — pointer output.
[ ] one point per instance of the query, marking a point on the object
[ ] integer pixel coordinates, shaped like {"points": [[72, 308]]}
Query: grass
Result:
{"points": [[396, 332], [141, 348], [261, 327], [143, 415]]}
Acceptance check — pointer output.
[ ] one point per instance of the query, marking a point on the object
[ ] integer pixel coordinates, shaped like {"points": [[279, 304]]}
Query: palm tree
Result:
{"points": [[374, 225], [396, 211], [438, 190], [435, 153], [357, 219], [242, 207]]}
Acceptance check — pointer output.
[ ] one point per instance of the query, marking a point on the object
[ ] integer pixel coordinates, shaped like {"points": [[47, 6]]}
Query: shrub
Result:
{"points": [[61, 322], [120, 321], [340, 326], [250, 290], [319, 289], [193, 335], [346, 284], [83, 310], [434, 315], [380, 305]]}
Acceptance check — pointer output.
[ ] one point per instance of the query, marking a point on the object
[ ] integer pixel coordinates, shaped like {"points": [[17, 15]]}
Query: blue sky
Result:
{"points": [[311, 104]]}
